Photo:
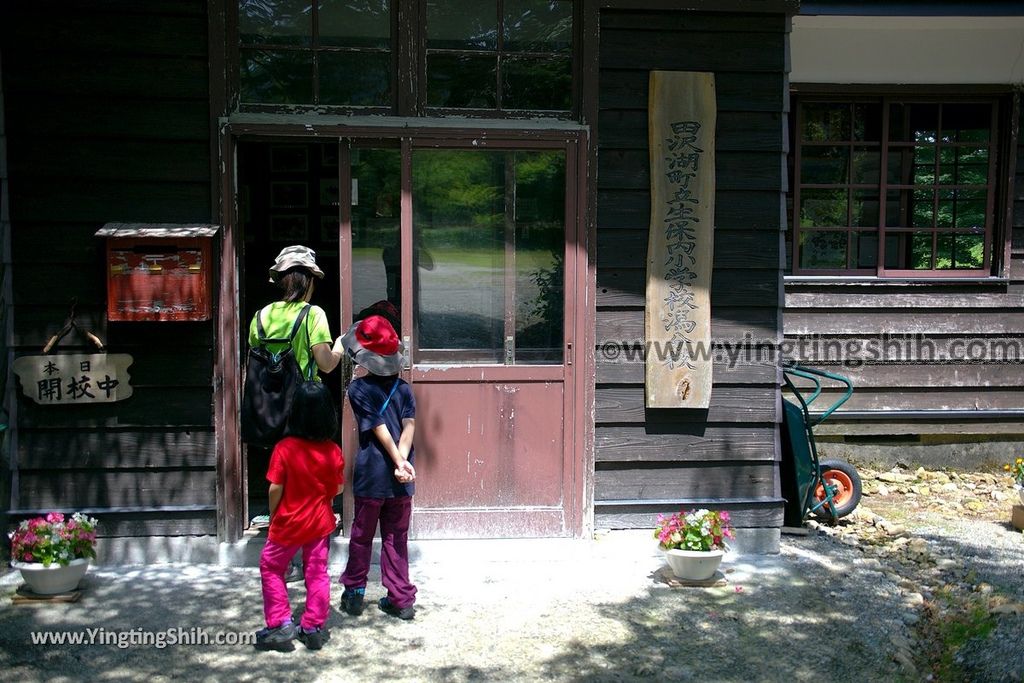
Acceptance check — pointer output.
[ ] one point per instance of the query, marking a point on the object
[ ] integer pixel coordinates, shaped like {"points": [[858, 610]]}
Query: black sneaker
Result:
{"points": [[352, 601], [387, 607], [279, 638], [314, 640]]}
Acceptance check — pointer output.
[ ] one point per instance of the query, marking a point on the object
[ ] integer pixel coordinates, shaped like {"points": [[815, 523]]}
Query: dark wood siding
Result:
{"points": [[649, 461], [943, 319], [5, 320], [108, 117]]}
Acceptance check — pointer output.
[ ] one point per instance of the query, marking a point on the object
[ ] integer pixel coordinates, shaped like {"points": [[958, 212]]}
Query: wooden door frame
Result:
{"points": [[579, 447]]}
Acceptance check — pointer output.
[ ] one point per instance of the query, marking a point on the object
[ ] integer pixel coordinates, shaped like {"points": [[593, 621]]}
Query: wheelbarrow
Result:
{"points": [[829, 489]]}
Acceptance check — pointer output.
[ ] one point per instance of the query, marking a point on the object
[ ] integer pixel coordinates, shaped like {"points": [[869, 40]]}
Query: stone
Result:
{"points": [[949, 486], [974, 505], [1008, 608], [914, 599], [904, 659], [883, 490], [910, 618]]}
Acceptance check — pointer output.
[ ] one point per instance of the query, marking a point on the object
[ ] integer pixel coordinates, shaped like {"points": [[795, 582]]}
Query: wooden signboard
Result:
{"points": [[75, 378], [681, 113]]}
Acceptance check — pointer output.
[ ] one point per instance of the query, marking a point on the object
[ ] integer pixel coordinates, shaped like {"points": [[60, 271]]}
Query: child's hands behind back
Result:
{"points": [[405, 473]]}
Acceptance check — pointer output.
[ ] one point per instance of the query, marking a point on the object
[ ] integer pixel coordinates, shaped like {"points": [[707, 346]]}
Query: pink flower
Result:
{"points": [[29, 558], [54, 517]]}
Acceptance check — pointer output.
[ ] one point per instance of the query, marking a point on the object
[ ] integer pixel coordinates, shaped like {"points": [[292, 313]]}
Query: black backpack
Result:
{"points": [[270, 383]]}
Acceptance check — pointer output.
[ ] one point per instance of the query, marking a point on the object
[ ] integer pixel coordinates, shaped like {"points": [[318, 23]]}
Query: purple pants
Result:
{"points": [[394, 515], [274, 563]]}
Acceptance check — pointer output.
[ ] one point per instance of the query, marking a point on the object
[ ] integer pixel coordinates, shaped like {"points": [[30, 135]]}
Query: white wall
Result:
{"points": [[952, 50]]}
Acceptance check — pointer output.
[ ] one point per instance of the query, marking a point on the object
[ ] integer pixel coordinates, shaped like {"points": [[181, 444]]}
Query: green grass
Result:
{"points": [[478, 258]]}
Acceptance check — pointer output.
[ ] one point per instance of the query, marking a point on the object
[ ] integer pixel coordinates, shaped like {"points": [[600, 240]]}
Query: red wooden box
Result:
{"points": [[159, 278]]}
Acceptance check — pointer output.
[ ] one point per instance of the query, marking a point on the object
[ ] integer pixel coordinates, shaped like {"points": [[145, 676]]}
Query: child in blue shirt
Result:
{"points": [[385, 409]]}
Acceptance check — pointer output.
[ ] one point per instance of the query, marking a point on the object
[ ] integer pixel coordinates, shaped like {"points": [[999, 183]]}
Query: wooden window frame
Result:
{"points": [[408, 70], [315, 49], [1001, 157]]}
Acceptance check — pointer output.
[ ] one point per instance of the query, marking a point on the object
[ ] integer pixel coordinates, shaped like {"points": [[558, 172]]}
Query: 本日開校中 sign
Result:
{"points": [[75, 379], [677, 320]]}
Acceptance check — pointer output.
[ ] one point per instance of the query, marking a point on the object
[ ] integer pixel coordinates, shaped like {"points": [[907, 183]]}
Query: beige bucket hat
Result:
{"points": [[295, 256]]}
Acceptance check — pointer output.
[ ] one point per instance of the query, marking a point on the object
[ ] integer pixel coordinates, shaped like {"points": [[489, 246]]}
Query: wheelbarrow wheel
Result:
{"points": [[843, 477]]}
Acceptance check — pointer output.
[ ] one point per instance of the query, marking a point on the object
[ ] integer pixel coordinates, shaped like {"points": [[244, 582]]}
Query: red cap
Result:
{"points": [[375, 333]]}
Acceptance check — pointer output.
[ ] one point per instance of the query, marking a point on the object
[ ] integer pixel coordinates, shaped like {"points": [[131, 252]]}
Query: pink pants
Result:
{"points": [[274, 563]]}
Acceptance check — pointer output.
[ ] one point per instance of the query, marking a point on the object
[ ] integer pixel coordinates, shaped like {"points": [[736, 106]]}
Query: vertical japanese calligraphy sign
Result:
{"points": [[677, 325], [75, 378]]}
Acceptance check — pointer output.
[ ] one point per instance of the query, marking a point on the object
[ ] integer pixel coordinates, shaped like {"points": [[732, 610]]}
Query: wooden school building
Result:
{"points": [[489, 167]]}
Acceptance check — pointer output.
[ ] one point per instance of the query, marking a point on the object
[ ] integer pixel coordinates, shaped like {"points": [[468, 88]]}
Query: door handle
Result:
{"points": [[568, 353]]}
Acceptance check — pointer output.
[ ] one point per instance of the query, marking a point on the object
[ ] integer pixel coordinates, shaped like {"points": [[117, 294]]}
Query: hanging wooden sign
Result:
{"points": [[681, 117], [75, 378]]}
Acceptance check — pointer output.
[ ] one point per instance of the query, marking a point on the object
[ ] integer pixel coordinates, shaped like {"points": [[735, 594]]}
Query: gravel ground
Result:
{"points": [[836, 604], [573, 611]]}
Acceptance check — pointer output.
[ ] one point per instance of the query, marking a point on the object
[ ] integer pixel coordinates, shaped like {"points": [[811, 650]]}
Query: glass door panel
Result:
{"points": [[376, 227], [488, 236]]}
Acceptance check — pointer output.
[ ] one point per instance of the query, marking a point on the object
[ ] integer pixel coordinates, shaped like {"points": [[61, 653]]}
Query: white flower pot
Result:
{"points": [[694, 565], [44, 580]]}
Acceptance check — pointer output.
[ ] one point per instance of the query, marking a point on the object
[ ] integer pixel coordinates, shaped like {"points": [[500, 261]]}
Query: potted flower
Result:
{"points": [[1016, 470], [53, 552], [694, 542]]}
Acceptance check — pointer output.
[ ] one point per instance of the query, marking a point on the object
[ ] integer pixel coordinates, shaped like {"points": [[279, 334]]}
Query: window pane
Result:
{"points": [[966, 122], [968, 250], [899, 128], [355, 78], [538, 25], [964, 166], [867, 162], [355, 24], [910, 251], [947, 165], [896, 202], [959, 251], [276, 77], [823, 250], [865, 208], [900, 164], [536, 83], [924, 165], [540, 255], [920, 252], [867, 122], [962, 209], [490, 220], [924, 122], [825, 122], [462, 81], [376, 213], [462, 25], [823, 208], [824, 165], [278, 22], [913, 122], [922, 208], [865, 249], [459, 218]]}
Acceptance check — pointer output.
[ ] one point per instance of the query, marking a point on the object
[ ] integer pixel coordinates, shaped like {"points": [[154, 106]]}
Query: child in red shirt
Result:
{"points": [[305, 475]]}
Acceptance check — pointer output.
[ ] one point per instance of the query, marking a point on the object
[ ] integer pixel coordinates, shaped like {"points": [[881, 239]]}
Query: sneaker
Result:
{"points": [[387, 607], [279, 638], [315, 639], [293, 574], [352, 601]]}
